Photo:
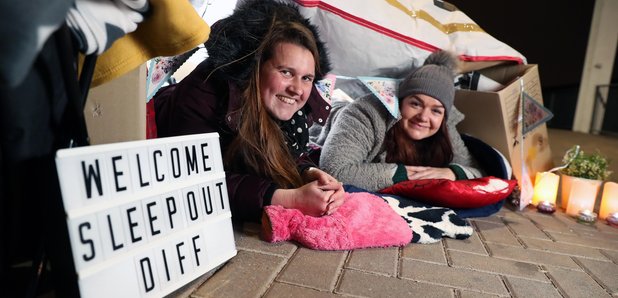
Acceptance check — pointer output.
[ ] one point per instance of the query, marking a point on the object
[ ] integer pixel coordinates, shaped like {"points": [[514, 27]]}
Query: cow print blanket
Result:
{"points": [[429, 224]]}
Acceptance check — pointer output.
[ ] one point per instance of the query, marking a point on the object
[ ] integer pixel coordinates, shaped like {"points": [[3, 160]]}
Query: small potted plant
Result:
{"points": [[583, 165], [592, 167]]}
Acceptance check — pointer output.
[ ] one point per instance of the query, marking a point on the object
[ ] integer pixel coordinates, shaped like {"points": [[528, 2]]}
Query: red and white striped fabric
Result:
{"points": [[386, 38]]}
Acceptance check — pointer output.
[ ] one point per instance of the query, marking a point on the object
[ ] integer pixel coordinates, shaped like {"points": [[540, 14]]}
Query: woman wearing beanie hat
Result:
{"points": [[256, 89], [368, 147]]}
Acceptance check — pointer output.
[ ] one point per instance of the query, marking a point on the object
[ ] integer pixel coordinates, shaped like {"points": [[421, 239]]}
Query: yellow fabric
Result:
{"points": [[173, 27]]}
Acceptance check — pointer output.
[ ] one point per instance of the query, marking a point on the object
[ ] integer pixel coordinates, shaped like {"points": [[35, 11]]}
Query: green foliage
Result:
{"points": [[589, 166]]}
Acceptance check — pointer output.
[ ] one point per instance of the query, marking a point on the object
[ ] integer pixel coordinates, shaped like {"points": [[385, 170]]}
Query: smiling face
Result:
{"points": [[286, 80], [421, 116]]}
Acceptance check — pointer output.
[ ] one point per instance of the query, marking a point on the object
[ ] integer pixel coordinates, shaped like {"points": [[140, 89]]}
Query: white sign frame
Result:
{"points": [[145, 217]]}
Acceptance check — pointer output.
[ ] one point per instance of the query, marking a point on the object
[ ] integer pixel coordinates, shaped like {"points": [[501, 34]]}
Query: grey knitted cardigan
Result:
{"points": [[353, 147]]}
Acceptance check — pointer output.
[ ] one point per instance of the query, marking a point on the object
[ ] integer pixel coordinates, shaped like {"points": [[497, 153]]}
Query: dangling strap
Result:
{"points": [[77, 91]]}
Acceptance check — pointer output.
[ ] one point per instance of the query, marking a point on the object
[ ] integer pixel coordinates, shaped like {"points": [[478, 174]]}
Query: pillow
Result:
{"points": [[461, 194], [387, 38]]}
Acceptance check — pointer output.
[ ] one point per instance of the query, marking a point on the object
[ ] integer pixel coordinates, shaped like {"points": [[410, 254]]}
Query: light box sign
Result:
{"points": [[145, 217]]}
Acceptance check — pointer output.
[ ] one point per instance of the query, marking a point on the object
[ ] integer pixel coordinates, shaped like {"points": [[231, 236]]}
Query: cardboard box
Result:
{"points": [[495, 118], [116, 110]]}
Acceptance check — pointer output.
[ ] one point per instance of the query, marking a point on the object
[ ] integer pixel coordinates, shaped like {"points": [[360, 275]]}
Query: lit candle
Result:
{"points": [[582, 195], [612, 219], [545, 188], [609, 201], [586, 217]]}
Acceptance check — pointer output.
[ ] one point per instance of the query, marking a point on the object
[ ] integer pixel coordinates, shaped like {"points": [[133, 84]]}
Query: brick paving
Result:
{"points": [[511, 254]]}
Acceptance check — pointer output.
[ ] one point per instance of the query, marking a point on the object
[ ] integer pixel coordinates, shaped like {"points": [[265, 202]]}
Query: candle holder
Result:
{"points": [[612, 219], [546, 207], [609, 200], [583, 195], [580, 165], [586, 217], [545, 188]]}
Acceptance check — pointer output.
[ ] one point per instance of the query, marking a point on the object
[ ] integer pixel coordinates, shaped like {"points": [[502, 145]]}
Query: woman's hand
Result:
{"points": [[417, 173], [311, 199], [326, 182], [322, 195]]}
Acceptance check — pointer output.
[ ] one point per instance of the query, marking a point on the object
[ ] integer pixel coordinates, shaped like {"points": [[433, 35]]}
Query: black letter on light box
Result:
{"points": [[150, 280], [205, 157], [152, 218], [190, 200], [117, 173], [132, 224], [191, 160], [171, 209], [180, 257], [111, 233], [92, 173], [167, 269], [218, 184], [142, 183], [207, 201], [196, 250], [156, 168], [175, 165], [89, 242]]}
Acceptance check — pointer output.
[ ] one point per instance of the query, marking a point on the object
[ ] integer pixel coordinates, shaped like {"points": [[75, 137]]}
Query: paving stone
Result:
{"points": [[612, 232], [187, 289], [611, 254], [314, 269], [603, 231], [497, 266], [281, 290], [575, 283], [433, 252], [573, 225], [587, 241], [604, 272], [493, 218], [524, 227], [531, 289], [376, 260], [498, 233], [564, 248], [470, 294], [248, 274], [472, 245], [364, 284], [250, 240], [548, 223], [507, 212], [453, 277], [531, 256]]}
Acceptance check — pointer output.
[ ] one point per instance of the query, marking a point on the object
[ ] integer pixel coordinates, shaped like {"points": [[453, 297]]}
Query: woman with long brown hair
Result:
{"points": [[368, 147], [256, 89]]}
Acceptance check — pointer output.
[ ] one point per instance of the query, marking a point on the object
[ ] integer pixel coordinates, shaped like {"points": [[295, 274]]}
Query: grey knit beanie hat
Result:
{"points": [[435, 78]]}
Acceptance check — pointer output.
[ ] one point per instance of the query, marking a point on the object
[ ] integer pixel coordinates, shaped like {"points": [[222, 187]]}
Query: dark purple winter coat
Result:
{"points": [[198, 106], [193, 106]]}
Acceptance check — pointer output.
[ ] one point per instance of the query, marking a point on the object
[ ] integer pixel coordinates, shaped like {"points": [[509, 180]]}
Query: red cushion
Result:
{"points": [[461, 194]]}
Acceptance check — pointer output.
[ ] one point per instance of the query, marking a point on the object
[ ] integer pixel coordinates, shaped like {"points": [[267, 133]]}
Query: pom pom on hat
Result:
{"points": [[435, 78]]}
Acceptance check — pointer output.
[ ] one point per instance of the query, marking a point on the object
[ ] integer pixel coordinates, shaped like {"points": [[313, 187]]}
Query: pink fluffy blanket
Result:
{"points": [[364, 220]]}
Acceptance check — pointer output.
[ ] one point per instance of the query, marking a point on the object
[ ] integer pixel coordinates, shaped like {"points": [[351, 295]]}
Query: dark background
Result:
{"points": [[552, 34]]}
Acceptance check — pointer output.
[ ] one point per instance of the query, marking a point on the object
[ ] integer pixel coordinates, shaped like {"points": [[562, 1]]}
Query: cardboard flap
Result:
{"points": [[506, 75]]}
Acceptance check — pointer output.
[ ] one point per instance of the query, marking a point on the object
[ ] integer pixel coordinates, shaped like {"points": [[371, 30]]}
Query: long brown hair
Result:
{"points": [[260, 147], [434, 151]]}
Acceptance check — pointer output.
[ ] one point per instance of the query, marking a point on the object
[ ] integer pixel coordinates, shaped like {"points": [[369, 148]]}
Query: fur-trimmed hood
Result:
{"points": [[235, 37]]}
